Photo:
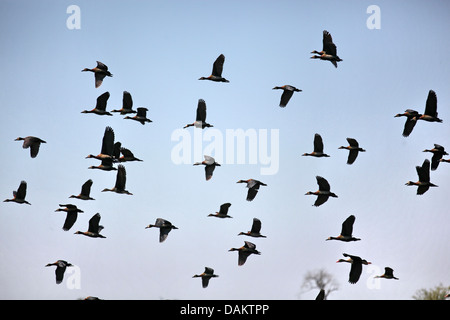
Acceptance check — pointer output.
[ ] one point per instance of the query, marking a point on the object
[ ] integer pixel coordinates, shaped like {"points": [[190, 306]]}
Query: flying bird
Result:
{"points": [[100, 72], [323, 193], [210, 164], [61, 266], [94, 228], [255, 231], [253, 187], [206, 276], [346, 231], [438, 152], [127, 156], [216, 74], [127, 104], [121, 178], [423, 184], [85, 191], [164, 228], [411, 120], [72, 215], [100, 107], [356, 268], [354, 150], [329, 50], [141, 116], [200, 119], [388, 274], [318, 148], [245, 251], [223, 211], [20, 194], [288, 91], [107, 149], [31, 142]]}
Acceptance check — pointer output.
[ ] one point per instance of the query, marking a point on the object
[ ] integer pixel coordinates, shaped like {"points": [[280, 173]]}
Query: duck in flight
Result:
{"points": [[216, 74], [346, 231], [206, 276], [288, 91], [329, 50], [100, 72], [323, 193], [210, 164], [423, 184], [200, 119], [253, 187], [31, 142], [20, 194], [164, 226], [318, 148], [100, 107]]}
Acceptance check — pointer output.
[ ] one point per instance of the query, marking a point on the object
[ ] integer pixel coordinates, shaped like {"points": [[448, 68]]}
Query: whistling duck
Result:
{"points": [[223, 211], [288, 91], [19, 195], [321, 295], [94, 227], [346, 231], [247, 249], [100, 72], [61, 266], [164, 228], [424, 178], [141, 116], [216, 74], [411, 120], [210, 164], [318, 148], [72, 215], [438, 152], [323, 193], [329, 50], [121, 178], [388, 274], [127, 104], [85, 191], [253, 187], [31, 142], [200, 119], [100, 107], [107, 145], [206, 275], [430, 113], [255, 230], [356, 268], [127, 156], [353, 148]]}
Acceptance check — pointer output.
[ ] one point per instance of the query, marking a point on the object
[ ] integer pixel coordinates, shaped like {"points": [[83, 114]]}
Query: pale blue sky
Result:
{"points": [[157, 50]]}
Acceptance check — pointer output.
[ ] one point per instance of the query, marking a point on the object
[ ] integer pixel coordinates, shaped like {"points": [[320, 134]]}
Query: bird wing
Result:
{"points": [[127, 101], [126, 153], [71, 218], [249, 245], [108, 141], [102, 66], [424, 171], [328, 46], [121, 178], [224, 208], [355, 271], [21, 191], [142, 112], [209, 270], [318, 143], [347, 226], [209, 169], [256, 226], [94, 223], [352, 142], [98, 77], [86, 188], [163, 233], [218, 66], [201, 111], [205, 281], [285, 97], [251, 193], [34, 148], [323, 184], [409, 126], [388, 271], [242, 257], [352, 155], [209, 160], [431, 104], [321, 199], [102, 99], [59, 272]]}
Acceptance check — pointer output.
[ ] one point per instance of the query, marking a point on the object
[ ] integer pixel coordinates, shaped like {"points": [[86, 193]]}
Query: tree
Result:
{"points": [[318, 280], [439, 292]]}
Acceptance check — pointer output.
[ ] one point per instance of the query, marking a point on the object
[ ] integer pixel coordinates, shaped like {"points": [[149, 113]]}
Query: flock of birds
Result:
{"points": [[113, 153]]}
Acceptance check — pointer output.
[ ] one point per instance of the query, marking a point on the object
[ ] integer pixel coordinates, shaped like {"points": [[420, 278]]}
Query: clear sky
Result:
{"points": [[157, 50]]}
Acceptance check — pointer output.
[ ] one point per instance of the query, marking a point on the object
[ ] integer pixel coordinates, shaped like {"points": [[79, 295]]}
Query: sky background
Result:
{"points": [[157, 50]]}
